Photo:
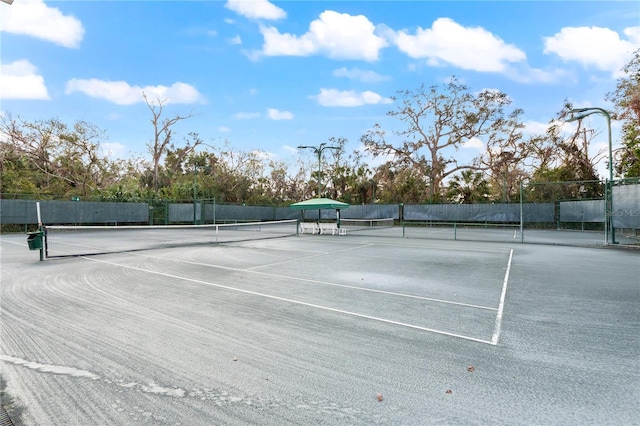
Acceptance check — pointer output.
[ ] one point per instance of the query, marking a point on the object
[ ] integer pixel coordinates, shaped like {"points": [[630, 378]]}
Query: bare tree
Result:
{"points": [[60, 158], [162, 135], [438, 120]]}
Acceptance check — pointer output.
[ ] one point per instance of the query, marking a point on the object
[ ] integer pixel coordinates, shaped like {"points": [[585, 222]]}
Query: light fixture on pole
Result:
{"points": [[318, 150], [585, 112]]}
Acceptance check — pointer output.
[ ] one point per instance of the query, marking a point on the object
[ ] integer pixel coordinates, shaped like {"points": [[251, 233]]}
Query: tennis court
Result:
{"points": [[322, 329]]}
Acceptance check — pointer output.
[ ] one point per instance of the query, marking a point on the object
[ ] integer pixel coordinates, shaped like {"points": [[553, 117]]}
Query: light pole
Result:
{"points": [[318, 150], [585, 112]]}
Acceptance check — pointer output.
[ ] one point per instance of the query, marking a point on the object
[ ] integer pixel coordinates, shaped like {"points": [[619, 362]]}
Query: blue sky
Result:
{"points": [[275, 75]]}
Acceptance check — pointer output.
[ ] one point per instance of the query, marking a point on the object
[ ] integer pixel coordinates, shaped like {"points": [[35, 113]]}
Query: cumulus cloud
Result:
{"points": [[474, 143], [360, 75], [597, 47], [36, 19], [234, 41], [256, 9], [348, 98], [122, 93], [336, 35], [20, 80], [535, 127], [526, 74], [275, 114], [449, 43]]}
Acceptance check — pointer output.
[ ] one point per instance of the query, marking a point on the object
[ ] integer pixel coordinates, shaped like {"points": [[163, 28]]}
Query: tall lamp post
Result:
{"points": [[318, 150], [585, 112]]}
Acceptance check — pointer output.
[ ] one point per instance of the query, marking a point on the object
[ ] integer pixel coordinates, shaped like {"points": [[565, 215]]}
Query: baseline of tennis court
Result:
{"points": [[316, 329]]}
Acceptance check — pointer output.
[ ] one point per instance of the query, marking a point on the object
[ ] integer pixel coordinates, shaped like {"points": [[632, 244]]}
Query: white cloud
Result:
{"points": [[360, 75], [290, 149], [122, 93], [224, 129], [633, 33], [599, 47], [526, 74], [36, 19], [256, 9], [336, 35], [235, 40], [247, 115], [113, 149], [275, 114], [21, 81], [447, 42], [474, 143], [535, 127], [348, 98]]}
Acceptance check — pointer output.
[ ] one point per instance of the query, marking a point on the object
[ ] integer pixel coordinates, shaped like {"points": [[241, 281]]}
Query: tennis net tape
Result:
{"points": [[85, 240]]}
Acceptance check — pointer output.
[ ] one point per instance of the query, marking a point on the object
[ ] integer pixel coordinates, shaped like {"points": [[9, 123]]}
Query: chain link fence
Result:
{"points": [[574, 213]]}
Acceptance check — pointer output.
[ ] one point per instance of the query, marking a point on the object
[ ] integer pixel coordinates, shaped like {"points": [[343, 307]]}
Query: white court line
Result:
{"points": [[304, 257], [297, 302], [308, 280], [496, 333], [13, 242], [432, 244]]}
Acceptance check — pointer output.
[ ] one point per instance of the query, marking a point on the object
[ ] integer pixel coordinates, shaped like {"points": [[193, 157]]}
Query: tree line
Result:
{"points": [[417, 158]]}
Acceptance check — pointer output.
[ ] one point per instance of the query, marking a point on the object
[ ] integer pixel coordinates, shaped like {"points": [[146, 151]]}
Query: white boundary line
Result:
{"points": [[13, 242], [297, 302], [496, 332], [308, 280]]}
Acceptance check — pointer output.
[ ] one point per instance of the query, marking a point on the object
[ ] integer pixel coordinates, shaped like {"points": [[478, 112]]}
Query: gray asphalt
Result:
{"points": [[317, 329]]}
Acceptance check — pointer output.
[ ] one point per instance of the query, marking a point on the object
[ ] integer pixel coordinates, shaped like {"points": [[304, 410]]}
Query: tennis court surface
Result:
{"points": [[322, 329]]}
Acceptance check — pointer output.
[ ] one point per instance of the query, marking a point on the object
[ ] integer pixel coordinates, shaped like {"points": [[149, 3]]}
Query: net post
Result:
{"points": [[42, 234]]}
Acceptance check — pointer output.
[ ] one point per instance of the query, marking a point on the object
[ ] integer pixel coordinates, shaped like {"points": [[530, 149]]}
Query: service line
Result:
{"points": [[297, 302], [327, 283], [496, 333]]}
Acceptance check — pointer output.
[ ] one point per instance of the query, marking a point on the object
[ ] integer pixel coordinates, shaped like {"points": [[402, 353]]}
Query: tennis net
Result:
{"points": [[63, 241]]}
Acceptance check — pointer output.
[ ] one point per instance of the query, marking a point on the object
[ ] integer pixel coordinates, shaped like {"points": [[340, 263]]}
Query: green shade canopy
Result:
{"points": [[319, 203]]}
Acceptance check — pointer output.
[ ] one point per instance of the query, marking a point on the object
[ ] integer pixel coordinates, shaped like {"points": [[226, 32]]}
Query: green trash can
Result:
{"points": [[34, 240]]}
